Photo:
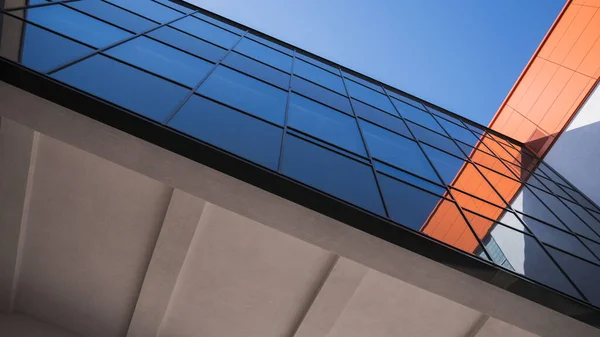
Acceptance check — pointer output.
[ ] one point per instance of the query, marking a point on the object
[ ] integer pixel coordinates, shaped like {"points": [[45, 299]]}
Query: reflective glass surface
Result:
{"points": [[330, 133], [206, 31], [264, 54], [245, 93], [162, 60], [318, 120]]}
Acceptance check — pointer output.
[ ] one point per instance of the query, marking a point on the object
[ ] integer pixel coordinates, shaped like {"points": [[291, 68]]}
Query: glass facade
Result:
{"points": [[362, 143]]}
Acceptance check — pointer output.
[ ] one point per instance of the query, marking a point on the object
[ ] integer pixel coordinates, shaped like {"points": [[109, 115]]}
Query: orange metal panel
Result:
{"points": [[537, 87], [552, 90], [560, 27], [594, 3], [553, 120], [572, 34], [591, 62], [526, 81], [584, 43]]}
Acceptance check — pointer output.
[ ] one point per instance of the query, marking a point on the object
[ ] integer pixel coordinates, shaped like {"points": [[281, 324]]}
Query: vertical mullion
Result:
{"points": [[98, 51], [448, 190], [509, 208], [362, 137], [287, 108], [191, 93]]}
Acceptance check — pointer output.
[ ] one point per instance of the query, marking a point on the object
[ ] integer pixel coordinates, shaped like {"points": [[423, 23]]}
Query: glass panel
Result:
{"points": [[404, 98], [149, 9], [553, 187], [529, 259], [125, 86], [381, 118], [595, 247], [319, 76], [584, 274], [369, 96], [162, 60], [322, 95], [44, 51], [565, 214], [557, 238], [245, 93], [258, 70], [366, 83], [175, 6], [447, 166], [511, 220], [327, 124], [76, 25], [458, 132], [188, 43], [265, 54], [447, 224], [581, 199], [113, 15], [435, 139], [543, 167], [271, 44], [220, 23], [396, 150], [332, 173], [407, 205], [418, 116], [526, 202], [396, 173], [585, 216], [206, 31], [318, 63], [231, 130]]}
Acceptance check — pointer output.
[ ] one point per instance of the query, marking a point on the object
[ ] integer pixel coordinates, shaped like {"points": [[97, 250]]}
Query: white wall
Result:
{"points": [[576, 153]]}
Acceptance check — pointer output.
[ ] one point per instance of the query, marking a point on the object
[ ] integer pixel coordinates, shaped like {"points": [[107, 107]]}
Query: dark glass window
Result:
{"points": [[219, 23], [322, 95], [557, 238], [580, 199], [565, 214], [366, 83], [380, 118], [206, 31], [198, 47], [447, 166], [318, 63], [584, 274], [370, 96], [128, 87], [175, 6], [325, 123], [527, 203], [231, 130], [595, 247], [528, 258], [401, 175], [271, 44], [149, 9], [162, 60], [404, 99], [265, 54], [258, 70], [76, 25], [332, 173], [396, 150], [435, 139], [407, 205], [585, 216], [418, 116], [458, 132], [245, 93], [114, 15], [319, 76], [44, 51]]}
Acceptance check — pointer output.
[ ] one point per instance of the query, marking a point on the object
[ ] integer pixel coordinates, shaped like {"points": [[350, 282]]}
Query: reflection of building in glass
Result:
{"points": [[501, 200]]}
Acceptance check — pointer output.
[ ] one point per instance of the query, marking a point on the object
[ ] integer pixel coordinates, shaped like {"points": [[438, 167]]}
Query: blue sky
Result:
{"points": [[463, 55]]}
